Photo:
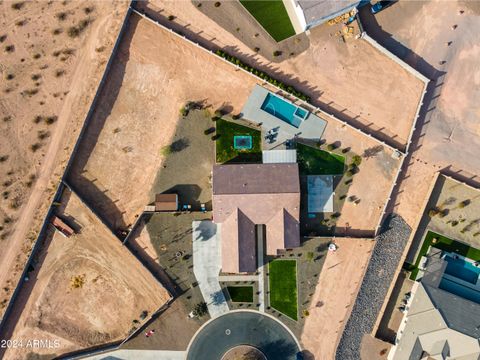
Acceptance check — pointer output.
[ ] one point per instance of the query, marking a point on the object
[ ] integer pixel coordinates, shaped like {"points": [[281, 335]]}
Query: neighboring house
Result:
{"points": [[439, 324], [305, 14], [252, 201]]}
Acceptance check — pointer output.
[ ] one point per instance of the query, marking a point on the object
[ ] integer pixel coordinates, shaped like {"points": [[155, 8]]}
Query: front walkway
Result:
{"points": [[207, 264]]}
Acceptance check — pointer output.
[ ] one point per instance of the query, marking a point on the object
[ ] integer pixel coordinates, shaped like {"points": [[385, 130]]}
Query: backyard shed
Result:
{"points": [[166, 202]]}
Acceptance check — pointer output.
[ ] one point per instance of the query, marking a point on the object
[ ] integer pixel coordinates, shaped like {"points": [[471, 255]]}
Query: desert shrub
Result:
{"points": [[100, 49], [56, 53], [75, 31], [59, 73], [9, 76], [43, 134], [200, 309], [30, 92], [3, 38], [88, 10], [77, 281], [18, 5], [37, 56], [37, 119], [171, 17], [166, 150], [209, 131], [357, 160], [20, 22], [305, 312], [217, 4], [9, 48], [144, 315], [61, 15], [35, 147], [116, 130], [349, 173], [183, 111], [7, 118], [57, 31], [454, 223], [35, 76], [49, 120], [256, 49], [3, 158], [433, 212], [464, 203], [236, 116], [277, 53]]}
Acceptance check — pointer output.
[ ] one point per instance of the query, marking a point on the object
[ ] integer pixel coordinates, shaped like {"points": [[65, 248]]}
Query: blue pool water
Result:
{"points": [[460, 290], [284, 110], [462, 269]]}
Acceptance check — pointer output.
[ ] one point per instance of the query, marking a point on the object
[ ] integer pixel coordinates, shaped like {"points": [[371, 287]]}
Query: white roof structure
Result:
{"points": [[279, 156], [320, 193], [426, 334]]}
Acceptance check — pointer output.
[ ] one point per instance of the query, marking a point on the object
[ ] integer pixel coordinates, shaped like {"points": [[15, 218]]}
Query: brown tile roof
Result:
{"points": [[238, 209], [238, 253], [256, 179], [166, 202]]}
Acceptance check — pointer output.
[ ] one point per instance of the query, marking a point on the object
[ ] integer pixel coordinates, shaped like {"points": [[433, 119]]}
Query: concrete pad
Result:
{"points": [[207, 262]]}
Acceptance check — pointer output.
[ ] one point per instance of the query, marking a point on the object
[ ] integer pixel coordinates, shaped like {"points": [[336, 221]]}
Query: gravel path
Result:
{"points": [[381, 269]]}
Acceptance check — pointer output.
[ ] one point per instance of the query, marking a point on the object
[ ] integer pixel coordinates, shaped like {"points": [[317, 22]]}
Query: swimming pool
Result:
{"points": [[462, 269], [284, 110]]}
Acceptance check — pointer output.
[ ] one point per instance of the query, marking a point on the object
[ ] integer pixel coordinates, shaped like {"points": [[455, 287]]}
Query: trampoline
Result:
{"points": [[242, 142]]}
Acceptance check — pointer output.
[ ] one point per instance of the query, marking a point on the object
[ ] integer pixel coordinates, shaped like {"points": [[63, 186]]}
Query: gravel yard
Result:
{"points": [[381, 268]]}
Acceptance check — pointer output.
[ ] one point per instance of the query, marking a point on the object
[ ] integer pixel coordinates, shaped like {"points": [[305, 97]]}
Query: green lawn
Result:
{"points": [[283, 286], [272, 15], [241, 293], [313, 161], [226, 130], [446, 244]]}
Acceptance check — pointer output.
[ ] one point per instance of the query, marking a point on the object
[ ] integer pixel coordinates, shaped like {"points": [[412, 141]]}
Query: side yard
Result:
{"points": [[283, 287]]}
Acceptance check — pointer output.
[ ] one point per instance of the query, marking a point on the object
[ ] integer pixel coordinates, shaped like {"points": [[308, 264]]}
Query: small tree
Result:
{"points": [[277, 53], [166, 150], [200, 309]]}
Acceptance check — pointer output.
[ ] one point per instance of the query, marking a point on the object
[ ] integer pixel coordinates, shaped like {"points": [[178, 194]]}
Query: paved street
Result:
{"points": [[243, 328]]}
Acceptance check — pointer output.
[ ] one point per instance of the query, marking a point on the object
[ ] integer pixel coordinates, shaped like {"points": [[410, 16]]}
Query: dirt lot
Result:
{"points": [[378, 167], [114, 287], [353, 80], [461, 206], [449, 138], [154, 75], [332, 301], [48, 79]]}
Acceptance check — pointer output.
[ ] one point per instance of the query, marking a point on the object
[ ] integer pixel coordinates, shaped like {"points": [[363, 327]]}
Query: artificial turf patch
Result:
{"points": [[225, 149], [273, 17], [241, 293], [313, 161], [283, 286]]}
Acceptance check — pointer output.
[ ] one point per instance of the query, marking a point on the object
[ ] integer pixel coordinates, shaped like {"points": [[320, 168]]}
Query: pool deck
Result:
{"points": [[310, 128]]}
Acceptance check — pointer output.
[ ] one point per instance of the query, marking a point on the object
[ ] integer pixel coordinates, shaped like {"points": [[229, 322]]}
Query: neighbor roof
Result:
{"points": [[426, 331], [255, 179], [318, 11]]}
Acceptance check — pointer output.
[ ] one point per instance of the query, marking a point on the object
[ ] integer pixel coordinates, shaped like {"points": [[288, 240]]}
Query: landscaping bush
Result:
{"points": [[331, 147], [200, 309], [288, 88], [236, 116], [277, 53], [217, 4], [356, 160], [171, 17]]}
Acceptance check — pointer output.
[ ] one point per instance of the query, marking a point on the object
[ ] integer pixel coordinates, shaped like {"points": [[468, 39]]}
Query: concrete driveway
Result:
{"points": [[207, 265], [243, 328]]}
